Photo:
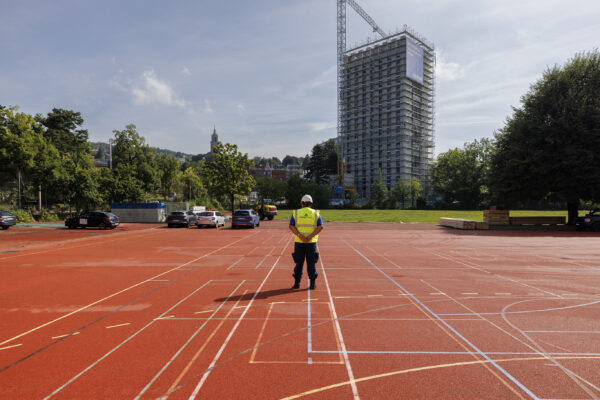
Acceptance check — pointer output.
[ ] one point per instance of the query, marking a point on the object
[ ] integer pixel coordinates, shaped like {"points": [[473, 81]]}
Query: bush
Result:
{"points": [[46, 216], [22, 215]]}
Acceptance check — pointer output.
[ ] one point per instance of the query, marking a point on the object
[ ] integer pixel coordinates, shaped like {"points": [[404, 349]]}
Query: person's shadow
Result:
{"points": [[259, 295]]}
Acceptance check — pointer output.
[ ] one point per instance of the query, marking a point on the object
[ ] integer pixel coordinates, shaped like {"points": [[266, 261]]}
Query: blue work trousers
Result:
{"points": [[309, 252]]}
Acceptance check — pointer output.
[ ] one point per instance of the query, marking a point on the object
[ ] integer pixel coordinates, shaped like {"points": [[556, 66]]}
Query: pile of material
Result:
{"points": [[463, 223], [495, 216]]}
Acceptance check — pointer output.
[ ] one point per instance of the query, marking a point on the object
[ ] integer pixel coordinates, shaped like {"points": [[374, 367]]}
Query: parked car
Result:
{"points": [[100, 219], [210, 218], [245, 218], [7, 220], [181, 217], [590, 221]]}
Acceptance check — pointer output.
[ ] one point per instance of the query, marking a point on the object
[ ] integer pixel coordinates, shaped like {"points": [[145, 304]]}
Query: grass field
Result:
{"points": [[413, 215]]}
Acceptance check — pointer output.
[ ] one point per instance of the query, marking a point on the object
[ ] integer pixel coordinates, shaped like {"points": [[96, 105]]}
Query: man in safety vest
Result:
{"points": [[306, 224]]}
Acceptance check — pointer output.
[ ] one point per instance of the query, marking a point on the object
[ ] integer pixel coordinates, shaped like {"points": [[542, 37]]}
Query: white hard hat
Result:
{"points": [[306, 198]]}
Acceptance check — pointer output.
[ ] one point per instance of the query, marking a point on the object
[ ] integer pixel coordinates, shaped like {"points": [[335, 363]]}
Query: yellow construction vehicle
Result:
{"points": [[268, 211]]}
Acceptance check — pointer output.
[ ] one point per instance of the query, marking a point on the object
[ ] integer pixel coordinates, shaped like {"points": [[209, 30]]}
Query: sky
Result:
{"points": [[263, 72]]}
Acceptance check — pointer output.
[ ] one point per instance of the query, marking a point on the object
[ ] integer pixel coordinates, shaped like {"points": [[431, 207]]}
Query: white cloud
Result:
{"points": [[325, 77], [149, 89], [185, 71], [241, 107], [321, 126], [447, 71], [207, 108]]}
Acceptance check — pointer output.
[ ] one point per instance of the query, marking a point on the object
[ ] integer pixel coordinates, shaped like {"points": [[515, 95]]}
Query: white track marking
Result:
{"points": [[341, 338], [10, 347], [122, 343], [218, 355], [178, 352], [65, 335], [116, 326], [445, 323], [238, 260], [110, 239], [118, 293]]}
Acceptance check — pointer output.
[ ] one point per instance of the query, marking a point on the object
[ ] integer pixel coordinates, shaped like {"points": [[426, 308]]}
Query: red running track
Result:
{"points": [[400, 312]]}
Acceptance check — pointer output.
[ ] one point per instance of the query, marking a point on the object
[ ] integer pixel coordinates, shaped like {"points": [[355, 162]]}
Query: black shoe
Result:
{"points": [[296, 284], [313, 284]]}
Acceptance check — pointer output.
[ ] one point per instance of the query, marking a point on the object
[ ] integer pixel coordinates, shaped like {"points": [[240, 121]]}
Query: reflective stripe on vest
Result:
{"points": [[306, 222]]}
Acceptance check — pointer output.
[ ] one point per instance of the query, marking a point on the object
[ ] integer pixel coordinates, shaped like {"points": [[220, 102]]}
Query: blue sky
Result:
{"points": [[264, 72]]}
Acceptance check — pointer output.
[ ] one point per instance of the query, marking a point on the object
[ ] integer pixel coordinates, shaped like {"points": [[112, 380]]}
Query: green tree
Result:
{"points": [[400, 192], [166, 169], [291, 160], [379, 192], [63, 130], [191, 185], [322, 162], [459, 175], [414, 190], [100, 154], [296, 187], [134, 165], [80, 182], [227, 174], [25, 152], [269, 188], [549, 147]]}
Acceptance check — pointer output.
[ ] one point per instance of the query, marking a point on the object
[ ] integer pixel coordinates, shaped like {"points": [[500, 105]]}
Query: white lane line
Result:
{"points": [[594, 332], [502, 294], [166, 317], [116, 326], [232, 265], [445, 323], [340, 337], [470, 293], [10, 347], [203, 312], [159, 280], [226, 342], [68, 334], [264, 258], [178, 352], [122, 291], [123, 343], [374, 295], [308, 324]]}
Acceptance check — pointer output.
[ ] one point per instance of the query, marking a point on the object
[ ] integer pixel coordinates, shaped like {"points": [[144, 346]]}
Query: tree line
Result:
{"points": [[51, 155], [547, 152]]}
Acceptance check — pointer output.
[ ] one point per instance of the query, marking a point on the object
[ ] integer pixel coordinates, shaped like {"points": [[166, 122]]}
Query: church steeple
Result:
{"points": [[214, 139]]}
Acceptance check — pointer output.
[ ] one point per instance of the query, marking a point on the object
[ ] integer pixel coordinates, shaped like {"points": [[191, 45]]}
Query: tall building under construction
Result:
{"points": [[386, 111]]}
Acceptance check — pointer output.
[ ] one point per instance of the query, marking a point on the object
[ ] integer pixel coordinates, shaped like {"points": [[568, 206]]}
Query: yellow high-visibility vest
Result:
{"points": [[306, 222]]}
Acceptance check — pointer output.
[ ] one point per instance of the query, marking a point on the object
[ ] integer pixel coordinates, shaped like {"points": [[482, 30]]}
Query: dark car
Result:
{"points": [[590, 221], [245, 218], [7, 220], [181, 218], [99, 219]]}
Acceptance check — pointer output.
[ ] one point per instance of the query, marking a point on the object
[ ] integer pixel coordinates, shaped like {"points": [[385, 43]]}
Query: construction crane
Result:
{"points": [[341, 50], [366, 17]]}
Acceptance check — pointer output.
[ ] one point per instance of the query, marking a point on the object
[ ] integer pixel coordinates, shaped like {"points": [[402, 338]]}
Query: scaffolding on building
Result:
{"points": [[385, 118]]}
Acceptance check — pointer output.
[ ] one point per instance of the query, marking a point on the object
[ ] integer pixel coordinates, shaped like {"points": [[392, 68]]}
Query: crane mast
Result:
{"points": [[341, 50]]}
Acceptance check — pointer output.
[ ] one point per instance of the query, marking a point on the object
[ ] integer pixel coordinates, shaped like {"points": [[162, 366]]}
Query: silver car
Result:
{"points": [[7, 220], [210, 218]]}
